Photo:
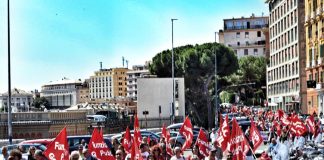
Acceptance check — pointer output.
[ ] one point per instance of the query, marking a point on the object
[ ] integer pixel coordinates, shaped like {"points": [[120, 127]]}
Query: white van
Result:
{"points": [[96, 118]]}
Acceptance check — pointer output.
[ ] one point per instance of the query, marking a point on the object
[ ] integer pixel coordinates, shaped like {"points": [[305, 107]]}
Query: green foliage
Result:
{"points": [[197, 65], [40, 101]]}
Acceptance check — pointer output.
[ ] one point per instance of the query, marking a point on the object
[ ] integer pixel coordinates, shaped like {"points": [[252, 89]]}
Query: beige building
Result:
{"points": [[286, 76], [83, 92], [245, 35], [107, 84], [314, 27]]}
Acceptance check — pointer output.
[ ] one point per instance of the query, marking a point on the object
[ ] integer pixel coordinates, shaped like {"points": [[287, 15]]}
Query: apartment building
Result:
{"points": [[107, 84], [61, 94], [138, 71], [314, 27], [21, 101], [286, 76], [245, 35]]}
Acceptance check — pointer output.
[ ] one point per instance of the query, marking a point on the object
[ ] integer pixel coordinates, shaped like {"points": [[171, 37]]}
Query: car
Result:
{"points": [[75, 141], [96, 118], [176, 127], [44, 142]]}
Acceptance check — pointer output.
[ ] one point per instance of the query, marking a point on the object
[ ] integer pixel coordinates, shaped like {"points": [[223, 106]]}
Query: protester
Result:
{"points": [[31, 153], [87, 155], [81, 151], [156, 153], [4, 152], [119, 155], [84, 144], [195, 152], [15, 154], [213, 135], [164, 154], [212, 154], [144, 151], [115, 145], [75, 155], [177, 154], [39, 155]]}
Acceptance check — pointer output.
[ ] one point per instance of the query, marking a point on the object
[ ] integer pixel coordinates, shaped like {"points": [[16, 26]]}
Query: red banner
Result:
{"points": [[277, 126], [311, 124], [136, 154], [98, 147], [224, 134], [186, 131], [298, 127], [202, 142], [166, 135], [238, 143], [255, 136], [137, 132], [285, 120], [279, 114], [59, 148], [127, 141]]}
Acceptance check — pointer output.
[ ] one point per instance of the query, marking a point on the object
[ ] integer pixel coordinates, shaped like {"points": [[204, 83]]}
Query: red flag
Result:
{"points": [[186, 131], [148, 140], [233, 109], [137, 132], [285, 120], [269, 115], [202, 143], [239, 146], [224, 134], [298, 127], [135, 154], [255, 136], [59, 148], [166, 135], [311, 124], [127, 141], [277, 126], [279, 114], [98, 147]]}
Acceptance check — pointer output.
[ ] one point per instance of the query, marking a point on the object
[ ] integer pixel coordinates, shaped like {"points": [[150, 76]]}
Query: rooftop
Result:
{"points": [[17, 92], [63, 81]]}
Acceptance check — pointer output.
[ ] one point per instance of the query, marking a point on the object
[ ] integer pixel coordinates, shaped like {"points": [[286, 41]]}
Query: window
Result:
{"points": [[237, 34], [246, 34], [255, 51], [238, 43], [246, 52], [259, 33]]}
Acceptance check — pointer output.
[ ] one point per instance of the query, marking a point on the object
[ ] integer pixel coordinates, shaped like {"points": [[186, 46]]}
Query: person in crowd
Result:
{"points": [[195, 152], [31, 153], [156, 153], [5, 154], [299, 141], [177, 154], [39, 155], [213, 135], [152, 143], [297, 155], [119, 155], [212, 154], [15, 154], [264, 156], [84, 144], [144, 151], [81, 151], [75, 155], [87, 155], [120, 147], [115, 145], [277, 150], [164, 153], [21, 149], [144, 140]]}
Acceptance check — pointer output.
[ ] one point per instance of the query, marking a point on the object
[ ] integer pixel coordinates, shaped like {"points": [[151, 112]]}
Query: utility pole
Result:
{"points": [[173, 95], [9, 82]]}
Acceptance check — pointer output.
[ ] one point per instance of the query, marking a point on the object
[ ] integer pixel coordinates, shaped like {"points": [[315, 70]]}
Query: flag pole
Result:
{"points": [[252, 152]]}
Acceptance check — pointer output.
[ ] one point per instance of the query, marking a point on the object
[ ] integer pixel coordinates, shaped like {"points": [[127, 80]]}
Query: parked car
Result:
{"points": [[75, 141], [44, 142]]}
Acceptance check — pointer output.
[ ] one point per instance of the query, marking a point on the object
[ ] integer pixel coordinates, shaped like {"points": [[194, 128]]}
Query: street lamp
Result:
{"points": [[9, 83], [173, 95], [216, 97]]}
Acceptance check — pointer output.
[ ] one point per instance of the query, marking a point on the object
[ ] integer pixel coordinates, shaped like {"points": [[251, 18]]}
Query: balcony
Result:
{"points": [[319, 61], [313, 63], [250, 44], [246, 27]]}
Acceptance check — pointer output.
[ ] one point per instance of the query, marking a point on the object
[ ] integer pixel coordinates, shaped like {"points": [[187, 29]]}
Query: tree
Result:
{"points": [[40, 101], [196, 65]]}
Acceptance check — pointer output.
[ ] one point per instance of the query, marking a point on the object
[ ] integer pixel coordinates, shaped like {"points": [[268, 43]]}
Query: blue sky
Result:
{"points": [[51, 39]]}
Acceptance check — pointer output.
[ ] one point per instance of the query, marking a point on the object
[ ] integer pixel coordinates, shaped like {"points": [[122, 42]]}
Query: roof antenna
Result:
{"points": [[123, 61], [127, 63], [100, 65]]}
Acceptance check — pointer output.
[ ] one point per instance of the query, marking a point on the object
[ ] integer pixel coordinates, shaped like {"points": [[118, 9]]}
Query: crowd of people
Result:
{"points": [[284, 143]]}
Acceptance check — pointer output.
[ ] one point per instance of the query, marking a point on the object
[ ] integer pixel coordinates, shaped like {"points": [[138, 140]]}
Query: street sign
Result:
{"points": [[145, 112]]}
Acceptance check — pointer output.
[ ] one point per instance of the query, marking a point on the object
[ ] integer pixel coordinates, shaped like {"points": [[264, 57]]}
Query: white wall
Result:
{"points": [[153, 92]]}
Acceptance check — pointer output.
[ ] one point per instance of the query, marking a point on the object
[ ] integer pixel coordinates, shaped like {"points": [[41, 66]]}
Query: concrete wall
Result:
{"points": [[155, 92]]}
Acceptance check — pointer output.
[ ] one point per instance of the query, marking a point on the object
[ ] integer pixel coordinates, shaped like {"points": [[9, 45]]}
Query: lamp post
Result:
{"points": [[9, 83], [216, 97], [173, 96]]}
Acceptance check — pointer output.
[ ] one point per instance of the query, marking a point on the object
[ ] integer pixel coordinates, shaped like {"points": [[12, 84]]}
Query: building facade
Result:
{"points": [[245, 35], [83, 92], [63, 93], [107, 84], [286, 76], [314, 27], [21, 101], [155, 96], [138, 71]]}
